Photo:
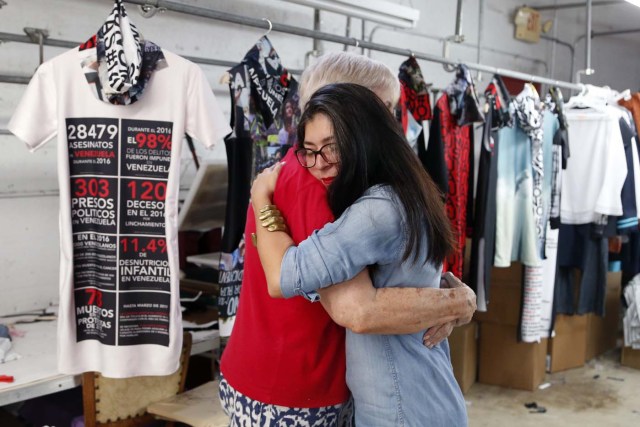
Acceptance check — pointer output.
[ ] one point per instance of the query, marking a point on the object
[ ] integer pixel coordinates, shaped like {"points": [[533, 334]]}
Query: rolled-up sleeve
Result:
{"points": [[371, 231]]}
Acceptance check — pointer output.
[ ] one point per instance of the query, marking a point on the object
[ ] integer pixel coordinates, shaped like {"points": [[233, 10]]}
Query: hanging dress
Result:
{"points": [[264, 119], [450, 145], [484, 225]]}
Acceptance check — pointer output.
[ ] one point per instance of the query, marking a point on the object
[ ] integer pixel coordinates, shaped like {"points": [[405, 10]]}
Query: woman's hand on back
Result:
{"points": [[449, 281], [436, 334], [264, 185]]}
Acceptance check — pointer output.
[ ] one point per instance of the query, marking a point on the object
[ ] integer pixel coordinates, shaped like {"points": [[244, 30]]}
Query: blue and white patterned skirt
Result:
{"points": [[246, 412]]}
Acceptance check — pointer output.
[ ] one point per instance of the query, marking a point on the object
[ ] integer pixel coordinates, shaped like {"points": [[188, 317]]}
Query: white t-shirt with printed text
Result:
{"points": [[118, 172]]}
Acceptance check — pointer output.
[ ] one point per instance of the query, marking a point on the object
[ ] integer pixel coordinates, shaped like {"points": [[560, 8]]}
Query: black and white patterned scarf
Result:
{"points": [[120, 59], [527, 110]]}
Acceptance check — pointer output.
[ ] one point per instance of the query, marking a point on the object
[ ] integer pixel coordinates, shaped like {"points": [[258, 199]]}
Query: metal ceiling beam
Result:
{"points": [[9, 37], [8, 78], [465, 44], [577, 5], [615, 32]]}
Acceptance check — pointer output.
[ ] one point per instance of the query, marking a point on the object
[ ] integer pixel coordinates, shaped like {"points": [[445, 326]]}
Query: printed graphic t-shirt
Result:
{"points": [[118, 172]]}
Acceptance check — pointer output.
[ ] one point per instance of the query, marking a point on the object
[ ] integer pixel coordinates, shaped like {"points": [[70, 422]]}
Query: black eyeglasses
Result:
{"points": [[307, 157]]}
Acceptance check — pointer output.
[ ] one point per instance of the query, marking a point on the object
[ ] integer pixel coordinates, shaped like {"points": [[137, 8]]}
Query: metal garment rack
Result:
{"points": [[318, 35], [19, 38]]}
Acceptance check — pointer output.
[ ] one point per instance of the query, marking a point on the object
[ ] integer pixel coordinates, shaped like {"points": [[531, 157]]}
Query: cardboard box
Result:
{"points": [[602, 332], [464, 355], [505, 295], [505, 362], [630, 357], [568, 348]]}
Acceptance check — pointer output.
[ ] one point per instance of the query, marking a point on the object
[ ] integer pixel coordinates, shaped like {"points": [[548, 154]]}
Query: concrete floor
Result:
{"points": [[575, 398]]}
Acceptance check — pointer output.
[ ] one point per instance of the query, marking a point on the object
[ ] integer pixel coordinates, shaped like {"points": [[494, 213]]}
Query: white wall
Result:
{"points": [[28, 221]]}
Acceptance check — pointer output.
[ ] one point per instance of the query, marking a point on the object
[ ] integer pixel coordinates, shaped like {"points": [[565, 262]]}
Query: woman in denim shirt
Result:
{"points": [[389, 217]]}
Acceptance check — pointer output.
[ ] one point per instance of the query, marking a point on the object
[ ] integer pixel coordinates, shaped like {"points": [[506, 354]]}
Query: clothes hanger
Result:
{"points": [[583, 91], [590, 97], [533, 89], [450, 67], [556, 93], [576, 100], [270, 27], [225, 78], [605, 92], [625, 94]]}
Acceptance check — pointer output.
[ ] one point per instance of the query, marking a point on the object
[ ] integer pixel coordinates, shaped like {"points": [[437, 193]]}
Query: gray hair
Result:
{"points": [[347, 67]]}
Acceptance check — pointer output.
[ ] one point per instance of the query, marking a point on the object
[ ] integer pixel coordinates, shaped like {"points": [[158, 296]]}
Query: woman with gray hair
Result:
{"points": [[285, 361], [347, 67]]}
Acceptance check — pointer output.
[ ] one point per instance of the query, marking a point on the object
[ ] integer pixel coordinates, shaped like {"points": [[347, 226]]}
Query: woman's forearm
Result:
{"points": [[410, 310], [271, 246], [363, 309]]}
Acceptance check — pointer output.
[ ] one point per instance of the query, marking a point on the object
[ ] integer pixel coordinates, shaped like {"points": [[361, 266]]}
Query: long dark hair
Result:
{"points": [[373, 150]]}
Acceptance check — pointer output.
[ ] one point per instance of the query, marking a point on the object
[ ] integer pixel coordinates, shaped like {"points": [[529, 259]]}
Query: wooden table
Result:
{"points": [[36, 372], [199, 407]]}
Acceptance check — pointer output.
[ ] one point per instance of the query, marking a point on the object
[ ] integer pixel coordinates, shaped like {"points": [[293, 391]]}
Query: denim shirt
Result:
{"points": [[395, 379]]}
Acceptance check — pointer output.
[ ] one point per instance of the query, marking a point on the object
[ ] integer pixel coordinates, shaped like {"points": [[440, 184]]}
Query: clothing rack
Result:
{"points": [[19, 38], [319, 35]]}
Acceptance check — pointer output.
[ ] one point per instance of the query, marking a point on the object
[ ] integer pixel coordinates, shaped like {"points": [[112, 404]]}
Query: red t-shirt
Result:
{"points": [[286, 352]]}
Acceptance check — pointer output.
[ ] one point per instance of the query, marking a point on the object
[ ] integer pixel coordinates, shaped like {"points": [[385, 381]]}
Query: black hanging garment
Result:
{"points": [[627, 224], [264, 118], [484, 225], [450, 148], [583, 247], [560, 153]]}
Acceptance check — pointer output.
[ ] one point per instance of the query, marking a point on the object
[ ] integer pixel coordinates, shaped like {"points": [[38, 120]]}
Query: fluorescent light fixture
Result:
{"points": [[634, 2], [381, 11]]}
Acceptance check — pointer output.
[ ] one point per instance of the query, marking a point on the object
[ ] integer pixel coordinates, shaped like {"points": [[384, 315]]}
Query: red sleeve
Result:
{"points": [[302, 199]]}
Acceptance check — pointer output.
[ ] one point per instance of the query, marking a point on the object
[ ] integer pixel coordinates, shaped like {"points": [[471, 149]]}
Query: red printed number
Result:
{"points": [[152, 140], [149, 190], [93, 187], [152, 245], [95, 297]]}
